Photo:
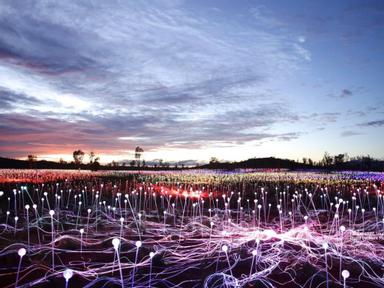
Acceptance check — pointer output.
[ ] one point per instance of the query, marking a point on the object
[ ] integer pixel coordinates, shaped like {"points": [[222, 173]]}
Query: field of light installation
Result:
{"points": [[191, 229]]}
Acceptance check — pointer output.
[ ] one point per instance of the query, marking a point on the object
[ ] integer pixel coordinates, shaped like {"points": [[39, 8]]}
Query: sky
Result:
{"points": [[190, 80]]}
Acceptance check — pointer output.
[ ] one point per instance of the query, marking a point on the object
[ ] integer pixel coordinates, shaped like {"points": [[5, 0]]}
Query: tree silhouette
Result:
{"points": [[213, 160], [327, 159], [31, 159], [91, 157], [138, 152], [78, 156], [94, 161], [339, 160]]}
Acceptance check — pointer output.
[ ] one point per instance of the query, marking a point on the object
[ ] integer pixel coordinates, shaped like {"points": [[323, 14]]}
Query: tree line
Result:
{"points": [[328, 161]]}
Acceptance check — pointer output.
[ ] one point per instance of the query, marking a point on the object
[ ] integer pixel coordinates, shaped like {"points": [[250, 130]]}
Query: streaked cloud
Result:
{"points": [[376, 123]]}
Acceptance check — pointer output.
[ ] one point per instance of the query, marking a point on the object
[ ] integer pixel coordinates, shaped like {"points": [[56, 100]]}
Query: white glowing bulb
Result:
{"points": [[81, 231], [342, 228], [151, 254], [224, 248], [254, 252], [89, 211], [68, 273], [27, 206], [115, 243], [138, 244], [22, 252], [345, 274], [51, 212], [325, 246]]}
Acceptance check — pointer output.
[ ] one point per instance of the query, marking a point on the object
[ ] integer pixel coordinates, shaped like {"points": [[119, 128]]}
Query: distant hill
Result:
{"points": [[12, 163], [42, 164], [269, 162], [362, 164]]}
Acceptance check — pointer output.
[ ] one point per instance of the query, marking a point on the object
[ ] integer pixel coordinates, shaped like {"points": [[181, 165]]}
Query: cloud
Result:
{"points": [[304, 53], [349, 133], [109, 74], [345, 93], [11, 100], [323, 118], [301, 39], [376, 123]]}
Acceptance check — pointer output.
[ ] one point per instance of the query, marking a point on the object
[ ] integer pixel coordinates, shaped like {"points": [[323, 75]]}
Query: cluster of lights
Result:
{"points": [[188, 218]]}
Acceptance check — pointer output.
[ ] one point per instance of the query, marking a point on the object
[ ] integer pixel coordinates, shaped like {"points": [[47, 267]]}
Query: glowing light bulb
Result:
{"points": [[116, 243], [224, 248], [138, 244], [67, 274], [22, 252], [345, 274]]}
